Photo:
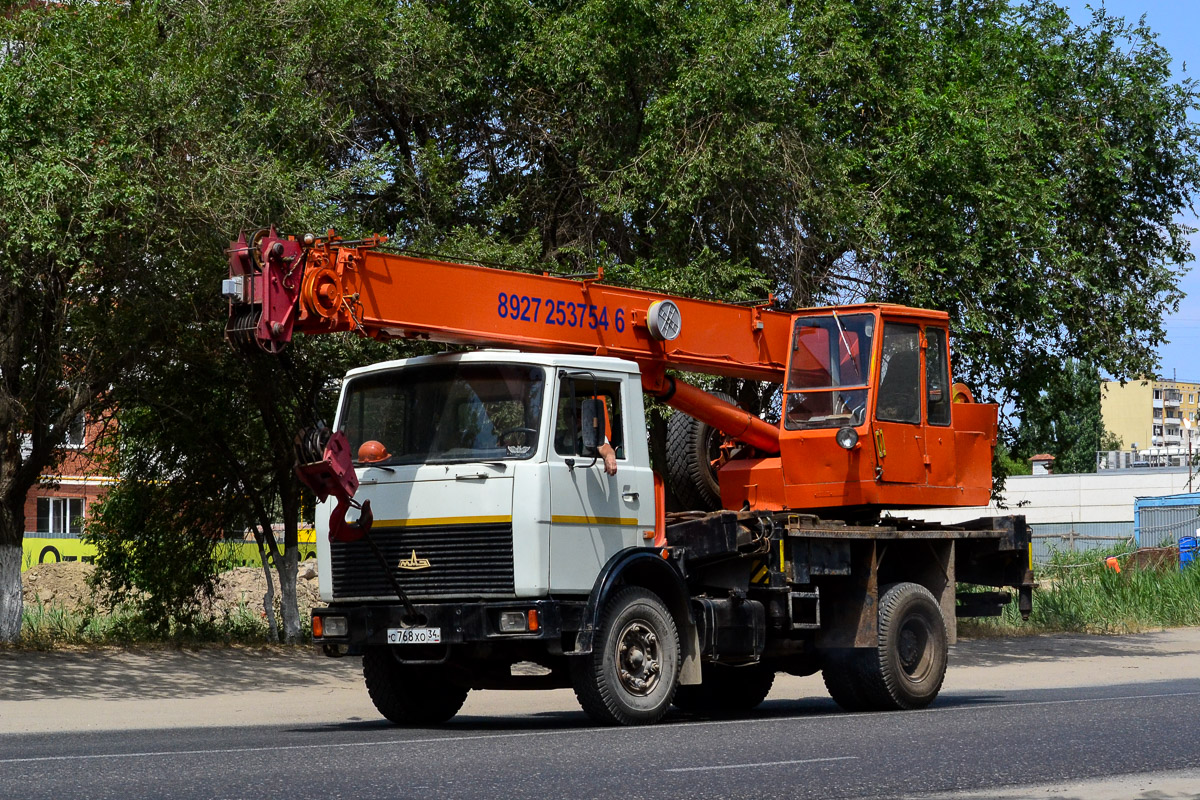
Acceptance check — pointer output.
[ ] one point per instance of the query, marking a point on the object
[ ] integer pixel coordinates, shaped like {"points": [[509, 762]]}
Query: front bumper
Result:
{"points": [[461, 623]]}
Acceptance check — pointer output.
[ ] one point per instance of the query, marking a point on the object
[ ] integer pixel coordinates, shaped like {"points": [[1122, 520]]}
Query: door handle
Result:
{"points": [[629, 497], [474, 476]]}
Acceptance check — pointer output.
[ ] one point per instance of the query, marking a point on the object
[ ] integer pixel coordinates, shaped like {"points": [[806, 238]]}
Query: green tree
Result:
{"points": [[985, 157], [132, 141], [72, 207], [1064, 421], [988, 158]]}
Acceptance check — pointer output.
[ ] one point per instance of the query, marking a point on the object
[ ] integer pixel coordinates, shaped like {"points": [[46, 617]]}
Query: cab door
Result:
{"points": [[939, 435], [898, 431], [594, 515]]}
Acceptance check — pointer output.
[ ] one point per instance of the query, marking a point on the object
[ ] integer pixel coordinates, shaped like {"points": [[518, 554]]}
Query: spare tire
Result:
{"points": [[693, 454]]}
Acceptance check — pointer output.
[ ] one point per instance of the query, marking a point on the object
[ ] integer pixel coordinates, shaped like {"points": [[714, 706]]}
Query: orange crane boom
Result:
{"points": [[327, 285], [835, 380]]}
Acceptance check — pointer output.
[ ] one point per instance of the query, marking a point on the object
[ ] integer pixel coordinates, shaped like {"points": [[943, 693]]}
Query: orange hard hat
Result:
{"points": [[372, 450]]}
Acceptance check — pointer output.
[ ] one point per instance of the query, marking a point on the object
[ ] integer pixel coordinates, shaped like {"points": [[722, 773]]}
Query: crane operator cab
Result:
{"points": [[868, 419]]}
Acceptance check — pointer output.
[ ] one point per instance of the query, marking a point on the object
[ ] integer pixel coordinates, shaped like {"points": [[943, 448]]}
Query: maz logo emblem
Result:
{"points": [[413, 562]]}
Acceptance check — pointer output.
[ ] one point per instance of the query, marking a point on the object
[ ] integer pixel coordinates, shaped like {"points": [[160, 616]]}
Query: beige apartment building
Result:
{"points": [[1148, 416]]}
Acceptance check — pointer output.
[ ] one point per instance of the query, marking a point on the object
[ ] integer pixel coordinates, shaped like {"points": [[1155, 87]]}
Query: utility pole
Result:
{"points": [[1187, 427]]}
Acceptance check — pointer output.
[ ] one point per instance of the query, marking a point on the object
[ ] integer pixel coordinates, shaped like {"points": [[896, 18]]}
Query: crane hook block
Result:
{"points": [[334, 476]]}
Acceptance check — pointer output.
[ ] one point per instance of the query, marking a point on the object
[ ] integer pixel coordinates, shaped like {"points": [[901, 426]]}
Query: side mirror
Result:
{"points": [[591, 416]]}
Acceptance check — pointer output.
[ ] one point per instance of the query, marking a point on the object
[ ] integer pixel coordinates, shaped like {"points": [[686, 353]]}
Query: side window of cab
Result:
{"points": [[937, 378], [568, 438]]}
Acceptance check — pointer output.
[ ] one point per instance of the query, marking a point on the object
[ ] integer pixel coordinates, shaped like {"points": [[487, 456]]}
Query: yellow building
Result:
{"points": [[1148, 416]]}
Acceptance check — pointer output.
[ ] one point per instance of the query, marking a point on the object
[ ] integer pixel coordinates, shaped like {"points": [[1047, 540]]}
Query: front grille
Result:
{"points": [[464, 561]]}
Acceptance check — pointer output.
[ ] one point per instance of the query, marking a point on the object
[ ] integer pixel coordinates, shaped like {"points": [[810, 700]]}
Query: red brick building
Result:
{"points": [[55, 510]]}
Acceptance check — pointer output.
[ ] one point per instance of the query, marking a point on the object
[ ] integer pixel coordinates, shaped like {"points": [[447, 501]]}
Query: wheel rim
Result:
{"points": [[913, 652], [639, 658], [713, 455]]}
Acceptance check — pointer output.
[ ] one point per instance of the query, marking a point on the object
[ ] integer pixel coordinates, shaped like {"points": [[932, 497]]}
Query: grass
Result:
{"points": [[1079, 593], [48, 626], [1076, 592]]}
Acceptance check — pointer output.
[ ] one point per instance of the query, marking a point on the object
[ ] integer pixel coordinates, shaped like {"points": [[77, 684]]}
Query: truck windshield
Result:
{"points": [[829, 371], [440, 413]]}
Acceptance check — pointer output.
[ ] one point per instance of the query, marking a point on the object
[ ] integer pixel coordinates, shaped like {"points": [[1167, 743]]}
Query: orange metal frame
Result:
{"points": [[324, 286]]}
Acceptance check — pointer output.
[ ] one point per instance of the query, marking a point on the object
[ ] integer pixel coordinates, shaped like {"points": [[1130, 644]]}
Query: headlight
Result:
{"points": [[330, 627], [847, 437], [513, 622]]}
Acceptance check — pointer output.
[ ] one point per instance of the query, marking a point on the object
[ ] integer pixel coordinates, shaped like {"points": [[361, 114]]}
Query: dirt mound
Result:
{"points": [[66, 584], [61, 584], [247, 586]]}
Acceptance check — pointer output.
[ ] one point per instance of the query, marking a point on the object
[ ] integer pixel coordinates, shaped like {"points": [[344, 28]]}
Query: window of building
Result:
{"points": [[76, 431], [60, 516]]}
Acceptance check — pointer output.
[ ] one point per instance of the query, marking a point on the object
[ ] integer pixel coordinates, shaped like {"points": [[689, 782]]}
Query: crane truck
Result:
{"points": [[471, 537]]}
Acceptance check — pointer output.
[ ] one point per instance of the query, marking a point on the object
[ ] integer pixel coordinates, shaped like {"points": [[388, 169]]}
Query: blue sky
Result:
{"points": [[1177, 23]]}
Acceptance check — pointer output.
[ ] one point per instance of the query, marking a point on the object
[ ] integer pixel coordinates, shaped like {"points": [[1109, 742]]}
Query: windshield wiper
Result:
{"points": [[375, 466]]}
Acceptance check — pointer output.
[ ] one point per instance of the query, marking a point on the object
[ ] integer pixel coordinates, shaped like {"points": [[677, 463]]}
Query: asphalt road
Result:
{"points": [[997, 726], [977, 740]]}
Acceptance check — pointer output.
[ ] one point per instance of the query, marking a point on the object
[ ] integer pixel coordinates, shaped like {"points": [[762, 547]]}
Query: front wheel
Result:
{"points": [[409, 695], [631, 674]]}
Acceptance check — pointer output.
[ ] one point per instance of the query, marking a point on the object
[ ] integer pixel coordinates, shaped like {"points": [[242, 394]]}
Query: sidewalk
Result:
{"points": [[150, 689]]}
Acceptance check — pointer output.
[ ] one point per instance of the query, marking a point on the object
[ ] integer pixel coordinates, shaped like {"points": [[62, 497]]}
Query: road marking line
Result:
{"points": [[278, 748], [559, 732], [763, 764]]}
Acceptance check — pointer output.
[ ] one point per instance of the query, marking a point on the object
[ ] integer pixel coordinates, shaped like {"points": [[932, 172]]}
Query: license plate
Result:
{"points": [[414, 635]]}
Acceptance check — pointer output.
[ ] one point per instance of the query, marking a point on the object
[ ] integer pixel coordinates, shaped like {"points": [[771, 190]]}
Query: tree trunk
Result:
{"points": [[12, 533], [287, 568], [289, 604], [10, 592], [269, 597]]}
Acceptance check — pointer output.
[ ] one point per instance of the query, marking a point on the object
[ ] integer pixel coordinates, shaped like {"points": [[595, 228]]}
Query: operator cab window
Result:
{"points": [[828, 373], [573, 390], [937, 378], [900, 374]]}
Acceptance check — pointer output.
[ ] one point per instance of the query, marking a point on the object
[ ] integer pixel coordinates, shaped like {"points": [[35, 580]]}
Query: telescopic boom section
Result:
{"points": [[279, 285]]}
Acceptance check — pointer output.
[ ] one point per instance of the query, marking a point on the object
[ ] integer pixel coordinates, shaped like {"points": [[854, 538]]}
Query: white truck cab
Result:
{"points": [[482, 488]]}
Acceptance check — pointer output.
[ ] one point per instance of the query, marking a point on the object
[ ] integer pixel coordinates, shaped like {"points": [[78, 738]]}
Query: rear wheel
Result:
{"points": [[630, 676], [843, 673], [726, 691], [693, 456], [409, 695], [906, 670]]}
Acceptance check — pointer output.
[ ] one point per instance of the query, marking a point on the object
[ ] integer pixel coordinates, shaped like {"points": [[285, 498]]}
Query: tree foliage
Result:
{"points": [[133, 139], [1064, 421], [984, 157], [987, 158]]}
